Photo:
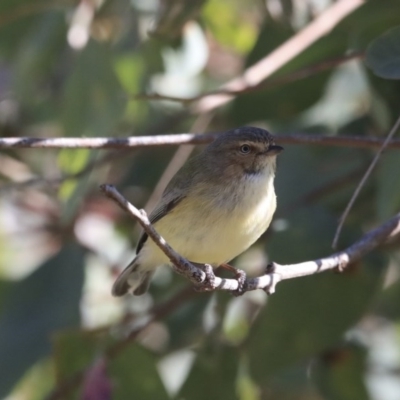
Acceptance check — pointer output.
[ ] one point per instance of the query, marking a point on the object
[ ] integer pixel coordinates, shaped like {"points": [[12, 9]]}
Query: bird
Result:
{"points": [[215, 207]]}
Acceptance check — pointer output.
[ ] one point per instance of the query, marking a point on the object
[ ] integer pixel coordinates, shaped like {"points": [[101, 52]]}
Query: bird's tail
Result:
{"points": [[133, 279]]}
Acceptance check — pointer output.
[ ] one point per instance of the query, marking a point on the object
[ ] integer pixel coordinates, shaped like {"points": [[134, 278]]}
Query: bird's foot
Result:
{"points": [[241, 279], [209, 282], [240, 276], [210, 276], [271, 269]]}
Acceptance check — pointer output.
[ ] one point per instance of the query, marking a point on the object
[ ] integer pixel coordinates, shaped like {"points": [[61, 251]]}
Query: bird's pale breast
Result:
{"points": [[212, 231]]}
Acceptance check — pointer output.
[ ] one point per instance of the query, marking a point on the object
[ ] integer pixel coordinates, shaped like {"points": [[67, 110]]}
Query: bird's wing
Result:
{"points": [[160, 211], [172, 195]]}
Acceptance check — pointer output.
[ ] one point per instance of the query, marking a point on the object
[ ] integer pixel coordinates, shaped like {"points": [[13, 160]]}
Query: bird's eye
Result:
{"points": [[245, 149]]}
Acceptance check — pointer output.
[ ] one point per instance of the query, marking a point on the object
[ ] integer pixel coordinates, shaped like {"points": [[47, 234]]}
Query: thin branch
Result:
{"points": [[181, 265], [184, 138], [264, 85], [275, 272], [268, 65], [363, 180]]}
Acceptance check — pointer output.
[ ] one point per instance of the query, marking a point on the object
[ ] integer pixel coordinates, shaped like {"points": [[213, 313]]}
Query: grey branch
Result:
{"points": [[180, 264], [184, 138], [274, 272]]}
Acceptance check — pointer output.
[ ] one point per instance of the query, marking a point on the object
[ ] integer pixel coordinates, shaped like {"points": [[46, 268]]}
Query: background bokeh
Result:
{"points": [[87, 69]]}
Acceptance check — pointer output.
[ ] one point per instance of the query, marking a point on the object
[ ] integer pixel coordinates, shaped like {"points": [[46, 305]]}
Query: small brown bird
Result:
{"points": [[214, 208]]}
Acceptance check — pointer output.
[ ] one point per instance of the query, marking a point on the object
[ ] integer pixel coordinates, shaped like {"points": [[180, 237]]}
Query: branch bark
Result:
{"points": [[184, 138], [263, 85], [288, 50], [274, 272]]}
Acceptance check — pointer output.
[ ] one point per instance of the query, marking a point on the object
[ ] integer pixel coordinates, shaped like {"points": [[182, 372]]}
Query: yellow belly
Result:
{"points": [[203, 233]]}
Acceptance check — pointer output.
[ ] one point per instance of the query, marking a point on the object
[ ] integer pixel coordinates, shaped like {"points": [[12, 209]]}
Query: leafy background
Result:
{"points": [[71, 68]]}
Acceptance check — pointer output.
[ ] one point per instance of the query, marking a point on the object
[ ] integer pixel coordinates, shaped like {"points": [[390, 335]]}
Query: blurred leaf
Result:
{"points": [[213, 375], [383, 55], [388, 189], [93, 100], [369, 21], [185, 325], [388, 304], [340, 374], [130, 70], [287, 100], [310, 315], [97, 384], [71, 162], [174, 15], [18, 19], [305, 173], [133, 372], [75, 350], [135, 376], [72, 191], [228, 23], [45, 301], [93, 105], [36, 63]]}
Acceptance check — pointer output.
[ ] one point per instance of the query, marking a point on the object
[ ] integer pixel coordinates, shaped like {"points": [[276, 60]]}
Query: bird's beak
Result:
{"points": [[274, 150]]}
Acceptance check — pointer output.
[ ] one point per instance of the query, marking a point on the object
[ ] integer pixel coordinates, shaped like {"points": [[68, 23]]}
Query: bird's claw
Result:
{"points": [[209, 282], [241, 279], [271, 268]]}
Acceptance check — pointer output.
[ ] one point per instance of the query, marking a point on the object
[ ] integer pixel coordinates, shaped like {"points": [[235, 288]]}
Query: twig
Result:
{"points": [[181, 265], [275, 272], [264, 85], [363, 180], [183, 138], [264, 68]]}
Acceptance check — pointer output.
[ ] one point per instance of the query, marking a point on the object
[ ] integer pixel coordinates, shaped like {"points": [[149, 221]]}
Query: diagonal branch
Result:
{"points": [[288, 50], [180, 264], [275, 272], [263, 85]]}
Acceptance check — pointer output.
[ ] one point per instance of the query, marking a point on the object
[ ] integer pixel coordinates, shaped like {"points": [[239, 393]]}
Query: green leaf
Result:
{"points": [[135, 375], [213, 375], [93, 100], [74, 351], [93, 105], [340, 373], [133, 372], [310, 315], [72, 191], [383, 55], [45, 301], [290, 99], [225, 22], [388, 188]]}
